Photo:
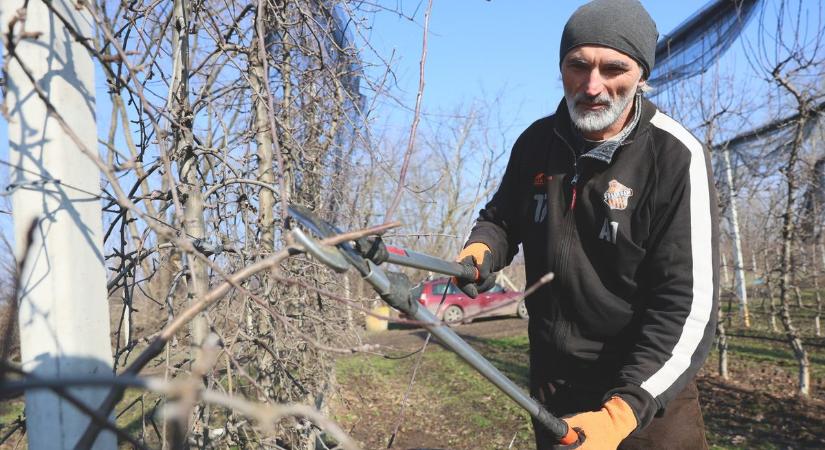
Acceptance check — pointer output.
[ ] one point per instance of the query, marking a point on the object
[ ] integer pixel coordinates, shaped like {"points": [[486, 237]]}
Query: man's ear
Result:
{"points": [[643, 86]]}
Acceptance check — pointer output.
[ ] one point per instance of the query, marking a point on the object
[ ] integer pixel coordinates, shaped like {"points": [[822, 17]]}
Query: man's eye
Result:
{"points": [[615, 70]]}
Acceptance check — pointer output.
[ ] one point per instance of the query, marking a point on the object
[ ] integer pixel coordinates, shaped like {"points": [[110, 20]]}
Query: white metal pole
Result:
{"points": [[64, 315], [738, 261]]}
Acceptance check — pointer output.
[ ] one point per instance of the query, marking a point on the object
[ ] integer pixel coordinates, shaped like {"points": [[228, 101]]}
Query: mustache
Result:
{"points": [[584, 98]]}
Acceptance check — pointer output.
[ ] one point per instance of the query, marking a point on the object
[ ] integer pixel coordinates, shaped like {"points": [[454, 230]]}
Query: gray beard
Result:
{"points": [[593, 121]]}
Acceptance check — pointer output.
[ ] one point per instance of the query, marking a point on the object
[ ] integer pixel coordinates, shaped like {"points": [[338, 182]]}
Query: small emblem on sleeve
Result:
{"points": [[541, 207], [617, 195], [609, 231], [540, 180]]}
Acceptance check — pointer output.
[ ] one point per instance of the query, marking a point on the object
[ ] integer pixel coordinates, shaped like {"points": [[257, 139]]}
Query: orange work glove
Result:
{"points": [[480, 256], [604, 429]]}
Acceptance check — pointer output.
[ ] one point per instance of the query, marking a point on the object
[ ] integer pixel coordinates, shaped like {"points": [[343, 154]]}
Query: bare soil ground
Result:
{"points": [[756, 409]]}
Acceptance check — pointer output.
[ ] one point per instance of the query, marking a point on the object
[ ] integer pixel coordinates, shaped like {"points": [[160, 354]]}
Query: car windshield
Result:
{"points": [[439, 288], [496, 289]]}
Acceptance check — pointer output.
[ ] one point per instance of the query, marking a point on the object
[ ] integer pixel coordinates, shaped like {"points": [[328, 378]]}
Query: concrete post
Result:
{"points": [[738, 262], [64, 315]]}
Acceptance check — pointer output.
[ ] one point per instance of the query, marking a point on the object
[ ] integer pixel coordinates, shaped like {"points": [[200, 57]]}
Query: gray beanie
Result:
{"points": [[622, 25]]}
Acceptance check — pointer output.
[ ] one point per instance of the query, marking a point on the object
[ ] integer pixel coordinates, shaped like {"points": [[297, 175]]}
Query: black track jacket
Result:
{"points": [[632, 239]]}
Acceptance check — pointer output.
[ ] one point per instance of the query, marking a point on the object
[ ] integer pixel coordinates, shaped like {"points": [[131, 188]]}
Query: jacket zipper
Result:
{"points": [[573, 181], [562, 261]]}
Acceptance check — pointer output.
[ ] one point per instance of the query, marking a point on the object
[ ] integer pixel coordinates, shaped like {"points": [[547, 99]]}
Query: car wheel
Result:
{"points": [[453, 314], [521, 310]]}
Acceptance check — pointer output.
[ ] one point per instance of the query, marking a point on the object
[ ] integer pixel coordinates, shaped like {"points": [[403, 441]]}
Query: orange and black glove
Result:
{"points": [[480, 256], [604, 429]]}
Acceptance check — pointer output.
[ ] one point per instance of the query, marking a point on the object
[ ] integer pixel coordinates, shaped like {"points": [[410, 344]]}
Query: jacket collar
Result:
{"points": [[645, 110]]}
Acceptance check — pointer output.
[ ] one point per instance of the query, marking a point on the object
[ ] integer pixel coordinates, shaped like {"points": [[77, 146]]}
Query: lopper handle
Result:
{"points": [[469, 272], [409, 258], [571, 437]]}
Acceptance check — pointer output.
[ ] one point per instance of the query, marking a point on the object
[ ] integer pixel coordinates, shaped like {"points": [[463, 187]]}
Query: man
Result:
{"points": [[616, 199]]}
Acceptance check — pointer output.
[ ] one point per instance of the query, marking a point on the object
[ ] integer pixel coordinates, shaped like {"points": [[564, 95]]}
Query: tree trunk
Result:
{"points": [[348, 295], [192, 184], [817, 326], [817, 292], [798, 294], [192, 174], [725, 273], [822, 248], [722, 345], [126, 323], [771, 297], [788, 236], [263, 136]]}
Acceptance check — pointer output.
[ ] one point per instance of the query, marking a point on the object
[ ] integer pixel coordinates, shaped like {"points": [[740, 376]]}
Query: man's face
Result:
{"points": [[599, 85]]}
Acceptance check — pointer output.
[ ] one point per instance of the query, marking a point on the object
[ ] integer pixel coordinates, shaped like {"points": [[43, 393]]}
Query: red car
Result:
{"points": [[458, 307]]}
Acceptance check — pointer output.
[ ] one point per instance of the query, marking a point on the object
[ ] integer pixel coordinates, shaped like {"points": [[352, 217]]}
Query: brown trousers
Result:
{"points": [[679, 427]]}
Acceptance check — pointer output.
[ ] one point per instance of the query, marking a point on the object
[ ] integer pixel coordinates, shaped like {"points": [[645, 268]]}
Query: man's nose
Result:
{"points": [[595, 83]]}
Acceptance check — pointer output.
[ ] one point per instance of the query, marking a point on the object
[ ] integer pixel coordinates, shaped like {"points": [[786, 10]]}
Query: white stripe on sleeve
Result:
{"points": [[700, 243]]}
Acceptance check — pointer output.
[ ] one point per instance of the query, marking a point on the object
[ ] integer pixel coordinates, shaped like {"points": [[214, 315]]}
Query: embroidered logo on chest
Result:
{"points": [[617, 195], [540, 180]]}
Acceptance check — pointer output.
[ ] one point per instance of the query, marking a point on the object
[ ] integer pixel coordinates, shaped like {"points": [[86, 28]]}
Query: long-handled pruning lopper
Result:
{"points": [[397, 290]]}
